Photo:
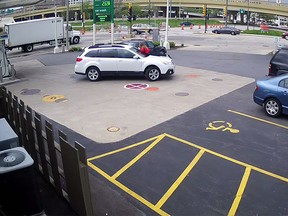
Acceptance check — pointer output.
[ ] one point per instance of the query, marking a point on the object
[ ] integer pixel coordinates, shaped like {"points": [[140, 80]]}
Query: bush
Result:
{"points": [[172, 44], [75, 49]]}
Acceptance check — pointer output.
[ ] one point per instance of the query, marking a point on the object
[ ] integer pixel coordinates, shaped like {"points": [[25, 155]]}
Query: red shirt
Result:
{"points": [[145, 50]]}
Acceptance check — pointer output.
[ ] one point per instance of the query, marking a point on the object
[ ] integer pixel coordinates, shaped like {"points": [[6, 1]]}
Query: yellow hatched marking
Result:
{"points": [[175, 185], [138, 157], [123, 149], [259, 119], [129, 191], [231, 159], [240, 192]]}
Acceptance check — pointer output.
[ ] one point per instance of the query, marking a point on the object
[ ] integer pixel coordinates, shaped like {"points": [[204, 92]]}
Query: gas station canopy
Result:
{"points": [[17, 3]]}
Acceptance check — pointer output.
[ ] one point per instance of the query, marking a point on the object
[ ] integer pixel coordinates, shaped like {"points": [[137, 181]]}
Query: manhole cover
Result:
{"points": [[182, 94], [217, 79], [113, 129], [29, 91], [136, 86]]}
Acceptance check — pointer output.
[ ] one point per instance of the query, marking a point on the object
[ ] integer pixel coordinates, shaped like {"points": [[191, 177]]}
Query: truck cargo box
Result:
{"points": [[34, 31]]}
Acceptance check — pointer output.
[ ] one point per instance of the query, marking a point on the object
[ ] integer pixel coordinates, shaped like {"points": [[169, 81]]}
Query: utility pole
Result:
{"points": [[67, 26]]}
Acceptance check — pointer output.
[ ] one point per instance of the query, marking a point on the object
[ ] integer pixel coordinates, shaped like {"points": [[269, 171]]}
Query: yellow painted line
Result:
{"points": [[123, 149], [231, 159], [138, 157], [129, 191], [259, 119], [175, 185], [240, 192]]}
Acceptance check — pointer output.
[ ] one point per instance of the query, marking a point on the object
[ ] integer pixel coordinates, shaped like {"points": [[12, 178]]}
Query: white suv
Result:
{"points": [[101, 60]]}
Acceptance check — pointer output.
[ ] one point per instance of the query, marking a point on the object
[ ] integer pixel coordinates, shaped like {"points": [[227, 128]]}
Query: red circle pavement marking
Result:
{"points": [[136, 86], [152, 89]]}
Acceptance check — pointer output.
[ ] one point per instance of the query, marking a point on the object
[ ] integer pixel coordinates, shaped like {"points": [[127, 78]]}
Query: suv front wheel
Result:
{"points": [[272, 107], [93, 74], [152, 73]]}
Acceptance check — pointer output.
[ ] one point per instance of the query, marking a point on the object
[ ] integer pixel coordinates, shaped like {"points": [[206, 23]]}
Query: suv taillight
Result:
{"points": [[256, 88], [78, 59]]}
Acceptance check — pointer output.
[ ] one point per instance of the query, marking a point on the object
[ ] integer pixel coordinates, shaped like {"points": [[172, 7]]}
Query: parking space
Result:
{"points": [[173, 176]]}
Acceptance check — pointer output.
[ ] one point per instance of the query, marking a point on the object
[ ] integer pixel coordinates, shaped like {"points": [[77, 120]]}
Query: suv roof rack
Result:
{"points": [[103, 45]]}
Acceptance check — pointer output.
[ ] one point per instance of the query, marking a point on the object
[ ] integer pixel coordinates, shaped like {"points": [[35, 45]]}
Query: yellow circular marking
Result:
{"points": [[52, 98], [113, 129]]}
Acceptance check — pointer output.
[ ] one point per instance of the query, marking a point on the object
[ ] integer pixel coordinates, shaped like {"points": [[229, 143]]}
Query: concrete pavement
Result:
{"points": [[91, 108]]}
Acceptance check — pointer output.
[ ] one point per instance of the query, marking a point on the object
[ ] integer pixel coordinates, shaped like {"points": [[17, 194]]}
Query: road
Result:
{"points": [[198, 145]]}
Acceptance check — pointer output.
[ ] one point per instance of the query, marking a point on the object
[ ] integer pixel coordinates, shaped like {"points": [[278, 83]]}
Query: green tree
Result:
{"points": [[88, 10]]}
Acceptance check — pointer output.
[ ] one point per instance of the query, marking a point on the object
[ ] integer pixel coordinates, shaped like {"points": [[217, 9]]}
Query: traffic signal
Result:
{"points": [[130, 13], [204, 10], [224, 12]]}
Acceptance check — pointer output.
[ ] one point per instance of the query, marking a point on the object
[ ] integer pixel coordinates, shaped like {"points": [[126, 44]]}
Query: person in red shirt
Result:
{"points": [[144, 49]]}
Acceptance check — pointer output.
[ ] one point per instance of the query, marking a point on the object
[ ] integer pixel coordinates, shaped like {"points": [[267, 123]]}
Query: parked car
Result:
{"points": [[279, 62], [155, 50], [272, 93], [226, 30], [186, 23], [285, 35], [142, 28], [107, 59]]}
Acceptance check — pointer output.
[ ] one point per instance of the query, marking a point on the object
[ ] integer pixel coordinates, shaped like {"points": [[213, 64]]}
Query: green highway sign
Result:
{"points": [[102, 10]]}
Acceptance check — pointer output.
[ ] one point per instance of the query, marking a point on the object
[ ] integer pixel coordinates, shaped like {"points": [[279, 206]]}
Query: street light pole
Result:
{"points": [[166, 43], [56, 49]]}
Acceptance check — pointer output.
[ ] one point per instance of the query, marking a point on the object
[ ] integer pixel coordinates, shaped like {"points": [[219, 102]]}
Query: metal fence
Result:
{"points": [[63, 165]]}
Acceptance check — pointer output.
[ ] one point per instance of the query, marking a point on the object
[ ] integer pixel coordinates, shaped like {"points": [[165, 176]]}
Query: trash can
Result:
{"points": [[20, 194], [8, 138]]}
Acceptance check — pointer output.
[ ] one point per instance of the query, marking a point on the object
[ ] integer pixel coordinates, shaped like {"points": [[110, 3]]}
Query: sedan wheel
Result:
{"points": [[152, 73], [272, 107], [93, 74], [233, 33]]}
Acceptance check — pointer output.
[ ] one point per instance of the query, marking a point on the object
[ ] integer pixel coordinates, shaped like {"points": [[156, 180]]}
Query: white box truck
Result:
{"points": [[26, 34]]}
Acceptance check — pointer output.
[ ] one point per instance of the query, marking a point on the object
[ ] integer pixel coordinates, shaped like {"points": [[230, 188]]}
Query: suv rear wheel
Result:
{"points": [[93, 74], [272, 107], [152, 73]]}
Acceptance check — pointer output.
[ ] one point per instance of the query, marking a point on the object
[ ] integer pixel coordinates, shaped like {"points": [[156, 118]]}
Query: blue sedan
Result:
{"points": [[272, 93]]}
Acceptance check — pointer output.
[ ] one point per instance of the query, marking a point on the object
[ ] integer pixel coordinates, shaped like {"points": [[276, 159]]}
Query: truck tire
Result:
{"points": [[76, 40], [28, 48]]}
